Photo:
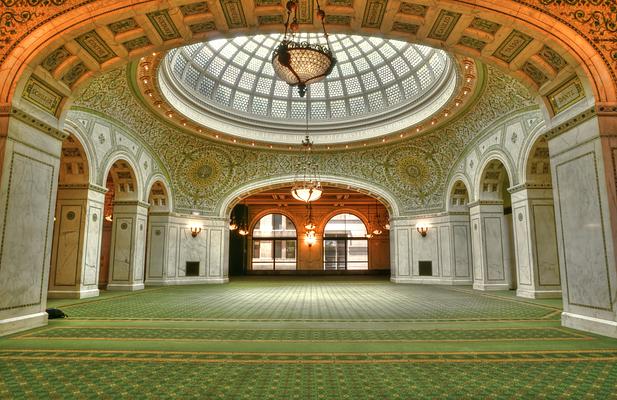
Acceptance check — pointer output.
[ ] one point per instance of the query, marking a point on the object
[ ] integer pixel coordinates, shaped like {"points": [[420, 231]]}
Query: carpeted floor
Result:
{"points": [[308, 338]]}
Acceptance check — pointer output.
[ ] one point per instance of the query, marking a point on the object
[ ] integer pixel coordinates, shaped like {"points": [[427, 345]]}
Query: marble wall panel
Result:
{"points": [[123, 245], [28, 207], [192, 249], [493, 247], [476, 245], [92, 242], [403, 254], [583, 241], [426, 249], [461, 250], [140, 249], [522, 246], [68, 245], [546, 245], [156, 258], [445, 251], [215, 261], [172, 254]]}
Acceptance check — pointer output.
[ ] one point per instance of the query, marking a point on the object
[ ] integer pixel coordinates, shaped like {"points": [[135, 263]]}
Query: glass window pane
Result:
{"points": [[263, 251], [345, 225], [357, 254]]}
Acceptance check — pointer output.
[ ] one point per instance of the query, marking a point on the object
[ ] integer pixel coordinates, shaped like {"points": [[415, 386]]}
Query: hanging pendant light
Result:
{"points": [[302, 63], [377, 224], [307, 186], [310, 223], [243, 226]]}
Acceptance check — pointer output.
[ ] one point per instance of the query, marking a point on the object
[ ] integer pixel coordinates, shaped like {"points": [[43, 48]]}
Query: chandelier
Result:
{"points": [[306, 186], [302, 63]]}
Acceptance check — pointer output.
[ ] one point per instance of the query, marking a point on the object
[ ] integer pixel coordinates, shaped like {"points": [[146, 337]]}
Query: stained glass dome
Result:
{"points": [[377, 87]]}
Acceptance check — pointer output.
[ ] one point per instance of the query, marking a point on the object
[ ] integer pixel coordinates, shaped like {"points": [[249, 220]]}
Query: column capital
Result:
{"points": [[7, 112], [529, 186], [136, 203]]}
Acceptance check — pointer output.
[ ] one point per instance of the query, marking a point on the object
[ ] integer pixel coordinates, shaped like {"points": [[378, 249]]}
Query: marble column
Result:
{"points": [[490, 246], [583, 153], [171, 246], [29, 162], [77, 242], [128, 246], [445, 251], [535, 239]]}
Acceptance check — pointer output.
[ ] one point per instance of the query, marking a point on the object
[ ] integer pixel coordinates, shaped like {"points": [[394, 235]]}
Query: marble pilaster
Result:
{"points": [[535, 241], [128, 246], [29, 162], [77, 241], [490, 246], [583, 155]]}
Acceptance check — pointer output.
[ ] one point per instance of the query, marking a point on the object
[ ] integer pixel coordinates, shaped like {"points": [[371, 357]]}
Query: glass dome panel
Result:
{"points": [[377, 87]]}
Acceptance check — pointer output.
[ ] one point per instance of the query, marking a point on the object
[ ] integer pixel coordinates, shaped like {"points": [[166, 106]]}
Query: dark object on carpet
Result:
{"points": [[55, 313]]}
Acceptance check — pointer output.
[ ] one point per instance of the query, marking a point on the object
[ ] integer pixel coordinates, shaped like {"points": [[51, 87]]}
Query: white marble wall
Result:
{"points": [[535, 243], [583, 165], [171, 246], [77, 240], [447, 245], [491, 246], [29, 174], [128, 246]]}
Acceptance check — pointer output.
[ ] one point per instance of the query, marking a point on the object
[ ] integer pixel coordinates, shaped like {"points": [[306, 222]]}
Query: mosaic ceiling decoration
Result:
{"points": [[203, 171]]}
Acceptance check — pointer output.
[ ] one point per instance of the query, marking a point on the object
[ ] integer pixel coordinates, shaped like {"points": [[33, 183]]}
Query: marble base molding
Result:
{"points": [[21, 323], [72, 294], [589, 324], [431, 281], [490, 286], [192, 280], [129, 287], [538, 294]]}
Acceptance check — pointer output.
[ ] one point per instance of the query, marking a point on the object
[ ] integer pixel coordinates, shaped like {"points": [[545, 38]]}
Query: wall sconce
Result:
{"points": [[310, 239], [195, 230], [422, 229]]}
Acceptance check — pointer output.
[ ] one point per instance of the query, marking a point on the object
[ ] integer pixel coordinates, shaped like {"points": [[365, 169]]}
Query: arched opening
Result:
{"points": [[74, 263], [459, 197], [345, 243], [125, 230], [274, 244], [158, 198], [492, 231]]}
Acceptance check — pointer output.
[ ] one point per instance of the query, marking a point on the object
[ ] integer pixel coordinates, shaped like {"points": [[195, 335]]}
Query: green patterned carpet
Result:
{"points": [[307, 338]]}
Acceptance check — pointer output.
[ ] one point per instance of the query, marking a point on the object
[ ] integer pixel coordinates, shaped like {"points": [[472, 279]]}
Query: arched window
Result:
{"points": [[274, 244], [345, 243]]}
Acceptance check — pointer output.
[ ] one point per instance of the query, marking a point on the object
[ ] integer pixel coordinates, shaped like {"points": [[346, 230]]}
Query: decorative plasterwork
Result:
{"points": [[204, 171], [453, 25]]}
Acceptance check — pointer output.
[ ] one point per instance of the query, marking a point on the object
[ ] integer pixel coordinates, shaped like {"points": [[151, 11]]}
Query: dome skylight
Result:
{"points": [[377, 87]]}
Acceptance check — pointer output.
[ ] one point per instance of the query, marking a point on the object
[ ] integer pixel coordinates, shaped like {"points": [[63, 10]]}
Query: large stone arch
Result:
{"points": [[516, 21], [225, 205]]}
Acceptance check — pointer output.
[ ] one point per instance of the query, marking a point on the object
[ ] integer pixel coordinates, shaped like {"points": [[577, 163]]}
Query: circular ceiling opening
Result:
{"points": [[377, 87]]}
